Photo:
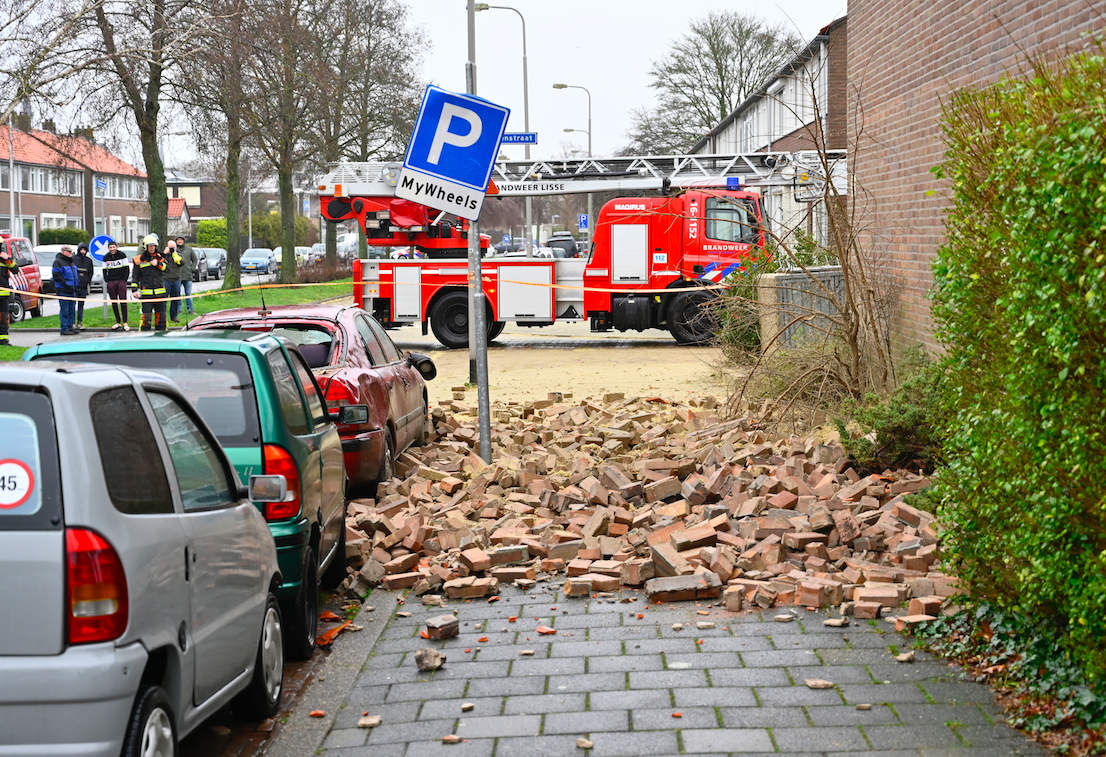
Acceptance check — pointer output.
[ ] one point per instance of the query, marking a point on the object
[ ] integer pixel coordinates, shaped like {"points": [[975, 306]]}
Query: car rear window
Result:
{"points": [[30, 481], [220, 386]]}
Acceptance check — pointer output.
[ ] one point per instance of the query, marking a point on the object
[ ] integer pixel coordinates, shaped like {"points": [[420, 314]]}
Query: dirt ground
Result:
{"points": [[675, 373]]}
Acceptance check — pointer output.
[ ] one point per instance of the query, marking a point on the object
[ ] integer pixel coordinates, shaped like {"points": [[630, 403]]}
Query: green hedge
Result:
{"points": [[212, 233], [1020, 301], [67, 235]]}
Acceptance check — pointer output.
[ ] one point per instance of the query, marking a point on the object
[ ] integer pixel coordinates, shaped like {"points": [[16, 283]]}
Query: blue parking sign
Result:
{"points": [[452, 152], [98, 247], [583, 222]]}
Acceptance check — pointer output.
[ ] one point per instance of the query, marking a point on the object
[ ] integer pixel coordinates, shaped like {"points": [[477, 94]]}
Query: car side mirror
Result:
{"points": [[268, 489], [351, 415], [423, 364]]}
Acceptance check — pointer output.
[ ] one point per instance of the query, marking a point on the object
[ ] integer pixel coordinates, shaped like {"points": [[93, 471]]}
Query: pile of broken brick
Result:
{"points": [[642, 492]]}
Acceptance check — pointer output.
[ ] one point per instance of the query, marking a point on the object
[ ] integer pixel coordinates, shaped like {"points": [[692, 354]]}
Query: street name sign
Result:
{"points": [[520, 138]]}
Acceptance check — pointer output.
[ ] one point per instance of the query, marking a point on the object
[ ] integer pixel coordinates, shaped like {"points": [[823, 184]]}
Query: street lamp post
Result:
{"points": [[591, 217], [525, 113]]}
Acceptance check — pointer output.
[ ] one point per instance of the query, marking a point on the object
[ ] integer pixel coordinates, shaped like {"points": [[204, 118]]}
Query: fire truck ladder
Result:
{"points": [[573, 176]]}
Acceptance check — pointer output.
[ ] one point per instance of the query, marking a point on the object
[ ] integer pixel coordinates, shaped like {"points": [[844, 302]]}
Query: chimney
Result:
{"points": [[84, 133], [23, 122], [50, 126]]}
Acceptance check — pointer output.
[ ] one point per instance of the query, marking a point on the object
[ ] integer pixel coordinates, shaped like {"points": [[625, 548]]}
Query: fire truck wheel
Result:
{"points": [[691, 317], [450, 320], [496, 330]]}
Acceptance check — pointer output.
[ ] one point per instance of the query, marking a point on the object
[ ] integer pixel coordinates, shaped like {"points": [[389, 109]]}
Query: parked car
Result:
{"points": [[139, 581], [356, 363], [45, 254], [28, 280], [217, 261], [568, 244], [259, 260], [202, 271], [318, 251], [257, 394]]}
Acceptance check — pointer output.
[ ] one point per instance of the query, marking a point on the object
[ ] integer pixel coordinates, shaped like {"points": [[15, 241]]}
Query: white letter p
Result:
{"points": [[443, 136]]}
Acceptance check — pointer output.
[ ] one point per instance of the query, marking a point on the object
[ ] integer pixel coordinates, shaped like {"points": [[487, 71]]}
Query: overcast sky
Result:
{"points": [[607, 46]]}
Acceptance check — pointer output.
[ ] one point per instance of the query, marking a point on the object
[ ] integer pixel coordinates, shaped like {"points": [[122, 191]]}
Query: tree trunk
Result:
{"points": [[233, 278], [287, 223], [155, 180], [331, 244]]}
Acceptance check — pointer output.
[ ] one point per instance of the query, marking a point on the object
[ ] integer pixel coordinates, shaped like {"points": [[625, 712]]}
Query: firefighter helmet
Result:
{"points": [[150, 239]]}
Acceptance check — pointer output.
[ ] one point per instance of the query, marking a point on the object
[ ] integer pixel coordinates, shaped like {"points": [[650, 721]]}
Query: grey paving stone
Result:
{"points": [[395, 733], [668, 679], [484, 687], [545, 610], [539, 746], [645, 719], [399, 646], [868, 656], [749, 677], [485, 611], [924, 714], [565, 648], [866, 640], [730, 644], [897, 672], [345, 737], [824, 738], [886, 753], [384, 661], [473, 669], [958, 691], [595, 721], [629, 700], [444, 689], [625, 663], [472, 639], [668, 632], [704, 659], [655, 646], [529, 666], [633, 743], [510, 652], [382, 750], [498, 725], [439, 708], [880, 714], [911, 736], [765, 717], [587, 682], [715, 697], [544, 703], [986, 735], [471, 748], [601, 606], [836, 673], [732, 740], [574, 622], [855, 693], [796, 696], [409, 673], [394, 631], [779, 658], [622, 633], [400, 712], [363, 696]]}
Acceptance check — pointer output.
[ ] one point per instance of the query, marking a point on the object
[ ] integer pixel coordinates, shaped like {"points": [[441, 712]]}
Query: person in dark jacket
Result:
{"points": [[147, 279], [66, 281], [117, 270], [84, 280], [7, 265]]}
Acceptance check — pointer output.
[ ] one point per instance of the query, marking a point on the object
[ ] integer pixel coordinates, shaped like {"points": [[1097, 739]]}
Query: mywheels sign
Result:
{"points": [[453, 149]]}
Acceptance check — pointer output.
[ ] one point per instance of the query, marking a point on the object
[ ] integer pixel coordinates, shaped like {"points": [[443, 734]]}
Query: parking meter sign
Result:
{"points": [[453, 149]]}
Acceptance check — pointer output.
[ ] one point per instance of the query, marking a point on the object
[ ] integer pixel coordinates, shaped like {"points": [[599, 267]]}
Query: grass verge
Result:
{"points": [[11, 352], [205, 302]]}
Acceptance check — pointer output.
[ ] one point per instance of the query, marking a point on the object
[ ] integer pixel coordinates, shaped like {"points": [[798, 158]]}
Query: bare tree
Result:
{"points": [[706, 74]]}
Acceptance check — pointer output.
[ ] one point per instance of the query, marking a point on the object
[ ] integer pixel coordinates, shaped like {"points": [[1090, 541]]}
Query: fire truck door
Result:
{"points": [[408, 293], [629, 253]]}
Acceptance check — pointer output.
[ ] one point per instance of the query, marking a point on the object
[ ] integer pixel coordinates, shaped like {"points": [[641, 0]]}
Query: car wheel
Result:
{"points": [[302, 613], [16, 311], [496, 329], [335, 573], [152, 730], [450, 320], [36, 312], [261, 699], [692, 318]]}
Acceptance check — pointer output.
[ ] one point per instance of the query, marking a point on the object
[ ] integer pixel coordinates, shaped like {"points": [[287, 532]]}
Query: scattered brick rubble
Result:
{"points": [[641, 492]]}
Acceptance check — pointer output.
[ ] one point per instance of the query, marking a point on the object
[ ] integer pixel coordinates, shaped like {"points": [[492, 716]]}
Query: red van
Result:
{"points": [[28, 280]]}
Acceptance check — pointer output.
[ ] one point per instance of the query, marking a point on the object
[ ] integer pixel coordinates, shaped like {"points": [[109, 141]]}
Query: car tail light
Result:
{"points": [[338, 394], [97, 588], [278, 461]]}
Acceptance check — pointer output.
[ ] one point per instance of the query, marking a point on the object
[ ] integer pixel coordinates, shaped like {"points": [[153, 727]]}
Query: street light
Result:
{"points": [[591, 217], [525, 110]]}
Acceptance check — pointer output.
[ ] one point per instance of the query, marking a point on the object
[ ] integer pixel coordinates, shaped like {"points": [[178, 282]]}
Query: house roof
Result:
{"points": [[795, 62], [44, 148], [176, 207]]}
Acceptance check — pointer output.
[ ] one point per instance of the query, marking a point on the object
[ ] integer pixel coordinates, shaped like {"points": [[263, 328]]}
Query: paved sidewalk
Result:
{"points": [[619, 681]]}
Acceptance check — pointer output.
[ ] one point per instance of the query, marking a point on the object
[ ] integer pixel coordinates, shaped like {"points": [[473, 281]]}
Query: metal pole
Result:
{"points": [[591, 221], [11, 180], [526, 127], [478, 329]]}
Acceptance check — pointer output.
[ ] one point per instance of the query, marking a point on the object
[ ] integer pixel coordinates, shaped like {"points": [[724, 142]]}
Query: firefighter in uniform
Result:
{"points": [[147, 282], [7, 265]]}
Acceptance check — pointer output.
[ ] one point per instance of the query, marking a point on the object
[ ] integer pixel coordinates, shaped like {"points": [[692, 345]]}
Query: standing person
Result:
{"points": [[147, 278], [173, 263], [84, 280], [116, 272], [189, 261], [7, 265], [66, 280]]}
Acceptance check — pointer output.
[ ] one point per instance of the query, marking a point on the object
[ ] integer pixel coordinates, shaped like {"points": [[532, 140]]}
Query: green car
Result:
{"points": [[257, 394]]}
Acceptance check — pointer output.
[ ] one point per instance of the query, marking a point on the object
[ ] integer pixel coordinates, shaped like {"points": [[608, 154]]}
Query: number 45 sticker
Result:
{"points": [[16, 483]]}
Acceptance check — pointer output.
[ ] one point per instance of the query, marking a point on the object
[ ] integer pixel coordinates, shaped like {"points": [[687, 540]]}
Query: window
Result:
{"points": [[53, 220], [27, 435], [391, 352], [372, 347], [201, 475], [730, 220], [291, 404], [314, 402], [5, 177], [133, 469]]}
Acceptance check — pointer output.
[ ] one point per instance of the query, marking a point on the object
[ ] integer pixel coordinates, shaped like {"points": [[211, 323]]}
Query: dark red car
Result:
{"points": [[355, 363], [27, 280]]}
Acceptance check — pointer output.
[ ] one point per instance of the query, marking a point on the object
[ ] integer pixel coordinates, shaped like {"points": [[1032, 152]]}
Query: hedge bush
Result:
{"points": [[68, 235], [212, 232], [1020, 303]]}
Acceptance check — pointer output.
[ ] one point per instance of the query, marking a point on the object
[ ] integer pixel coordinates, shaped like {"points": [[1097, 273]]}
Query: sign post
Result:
{"points": [[583, 225]]}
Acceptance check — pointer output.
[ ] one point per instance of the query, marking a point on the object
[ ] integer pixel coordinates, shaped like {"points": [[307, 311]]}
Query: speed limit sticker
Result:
{"points": [[17, 483]]}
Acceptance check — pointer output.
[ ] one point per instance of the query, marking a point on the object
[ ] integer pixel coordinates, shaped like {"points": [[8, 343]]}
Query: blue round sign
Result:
{"points": [[98, 247]]}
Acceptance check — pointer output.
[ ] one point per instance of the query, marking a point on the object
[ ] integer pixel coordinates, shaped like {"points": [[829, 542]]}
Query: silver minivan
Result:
{"points": [[137, 578]]}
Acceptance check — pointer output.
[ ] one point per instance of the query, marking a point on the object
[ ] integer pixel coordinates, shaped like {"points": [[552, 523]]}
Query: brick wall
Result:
{"points": [[904, 59]]}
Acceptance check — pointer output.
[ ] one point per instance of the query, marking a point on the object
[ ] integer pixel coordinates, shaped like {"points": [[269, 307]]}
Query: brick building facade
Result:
{"points": [[905, 58]]}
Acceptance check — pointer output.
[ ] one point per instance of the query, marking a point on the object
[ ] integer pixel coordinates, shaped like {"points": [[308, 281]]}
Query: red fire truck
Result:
{"points": [[655, 262]]}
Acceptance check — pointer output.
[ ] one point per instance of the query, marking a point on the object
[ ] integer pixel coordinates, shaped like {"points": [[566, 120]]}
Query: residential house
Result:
{"points": [[68, 180]]}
